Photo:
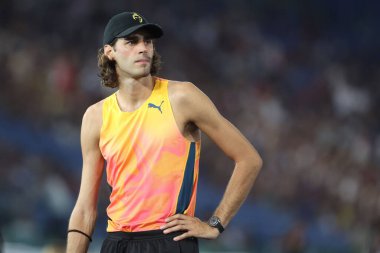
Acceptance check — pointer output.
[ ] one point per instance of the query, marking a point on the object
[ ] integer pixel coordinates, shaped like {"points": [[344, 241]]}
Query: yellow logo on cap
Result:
{"points": [[136, 16]]}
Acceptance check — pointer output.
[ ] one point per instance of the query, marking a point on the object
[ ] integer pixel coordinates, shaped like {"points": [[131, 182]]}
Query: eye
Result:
{"points": [[130, 41]]}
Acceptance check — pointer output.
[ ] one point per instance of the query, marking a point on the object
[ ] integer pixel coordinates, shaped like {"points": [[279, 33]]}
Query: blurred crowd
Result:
{"points": [[299, 78]]}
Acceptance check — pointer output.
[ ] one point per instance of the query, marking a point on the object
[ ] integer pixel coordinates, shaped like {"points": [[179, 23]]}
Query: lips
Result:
{"points": [[144, 60]]}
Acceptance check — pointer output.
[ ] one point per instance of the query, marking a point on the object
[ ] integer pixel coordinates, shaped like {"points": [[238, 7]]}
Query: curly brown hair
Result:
{"points": [[107, 69]]}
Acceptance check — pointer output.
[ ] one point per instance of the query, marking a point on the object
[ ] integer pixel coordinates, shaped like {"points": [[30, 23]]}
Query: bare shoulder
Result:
{"points": [[93, 115], [183, 92], [95, 110], [178, 87], [190, 102]]}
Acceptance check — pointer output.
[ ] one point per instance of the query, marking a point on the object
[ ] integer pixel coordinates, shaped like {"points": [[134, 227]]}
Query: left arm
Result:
{"points": [[199, 109]]}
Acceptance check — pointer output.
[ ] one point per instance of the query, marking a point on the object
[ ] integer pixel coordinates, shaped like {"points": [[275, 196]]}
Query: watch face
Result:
{"points": [[214, 221]]}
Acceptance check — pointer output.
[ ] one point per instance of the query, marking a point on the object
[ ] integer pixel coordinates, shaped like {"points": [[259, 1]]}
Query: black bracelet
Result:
{"points": [[80, 232]]}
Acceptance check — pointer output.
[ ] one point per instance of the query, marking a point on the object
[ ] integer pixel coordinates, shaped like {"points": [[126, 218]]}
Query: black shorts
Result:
{"points": [[154, 241]]}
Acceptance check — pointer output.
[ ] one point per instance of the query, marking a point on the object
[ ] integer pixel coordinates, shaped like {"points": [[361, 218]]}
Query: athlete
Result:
{"points": [[148, 132]]}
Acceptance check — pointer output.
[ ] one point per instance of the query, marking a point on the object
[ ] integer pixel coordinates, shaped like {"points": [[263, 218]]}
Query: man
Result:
{"points": [[149, 134]]}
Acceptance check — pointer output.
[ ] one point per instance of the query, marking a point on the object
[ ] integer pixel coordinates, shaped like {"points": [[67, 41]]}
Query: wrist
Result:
{"points": [[215, 223]]}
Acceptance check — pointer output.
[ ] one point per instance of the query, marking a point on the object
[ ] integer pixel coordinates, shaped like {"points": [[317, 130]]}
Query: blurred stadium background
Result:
{"points": [[299, 78]]}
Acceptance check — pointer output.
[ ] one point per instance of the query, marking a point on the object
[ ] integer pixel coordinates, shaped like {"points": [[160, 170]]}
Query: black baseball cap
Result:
{"points": [[125, 23]]}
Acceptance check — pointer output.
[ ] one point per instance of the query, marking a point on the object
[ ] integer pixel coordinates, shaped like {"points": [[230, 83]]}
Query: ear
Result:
{"points": [[109, 52]]}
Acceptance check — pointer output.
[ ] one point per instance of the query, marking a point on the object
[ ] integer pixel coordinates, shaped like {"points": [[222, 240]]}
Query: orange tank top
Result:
{"points": [[151, 168]]}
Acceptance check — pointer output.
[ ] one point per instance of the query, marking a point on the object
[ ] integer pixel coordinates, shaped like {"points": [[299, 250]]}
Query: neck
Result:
{"points": [[133, 92]]}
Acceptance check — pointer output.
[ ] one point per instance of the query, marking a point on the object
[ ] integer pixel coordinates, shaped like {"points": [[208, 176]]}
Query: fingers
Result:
{"points": [[183, 236], [175, 225], [175, 228], [191, 226], [176, 222]]}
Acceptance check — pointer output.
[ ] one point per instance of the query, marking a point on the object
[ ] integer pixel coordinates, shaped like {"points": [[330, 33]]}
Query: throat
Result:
{"points": [[133, 96]]}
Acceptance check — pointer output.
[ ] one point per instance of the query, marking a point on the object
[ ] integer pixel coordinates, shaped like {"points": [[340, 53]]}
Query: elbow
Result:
{"points": [[85, 214], [255, 162], [251, 162]]}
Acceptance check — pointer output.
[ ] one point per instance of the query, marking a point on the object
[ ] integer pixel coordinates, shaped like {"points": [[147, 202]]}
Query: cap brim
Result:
{"points": [[153, 29]]}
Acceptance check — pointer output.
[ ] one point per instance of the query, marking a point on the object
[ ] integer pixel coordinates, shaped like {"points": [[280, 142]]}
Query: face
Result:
{"points": [[133, 55]]}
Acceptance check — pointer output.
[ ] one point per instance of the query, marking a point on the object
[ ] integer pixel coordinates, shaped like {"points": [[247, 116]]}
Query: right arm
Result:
{"points": [[84, 213]]}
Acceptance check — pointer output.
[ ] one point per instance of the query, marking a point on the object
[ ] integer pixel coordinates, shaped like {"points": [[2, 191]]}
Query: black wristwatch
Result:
{"points": [[214, 222]]}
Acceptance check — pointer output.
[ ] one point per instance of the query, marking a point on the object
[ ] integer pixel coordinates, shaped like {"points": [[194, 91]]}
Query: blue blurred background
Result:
{"points": [[299, 78]]}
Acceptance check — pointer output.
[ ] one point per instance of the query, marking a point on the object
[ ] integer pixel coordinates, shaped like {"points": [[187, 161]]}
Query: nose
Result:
{"points": [[142, 46]]}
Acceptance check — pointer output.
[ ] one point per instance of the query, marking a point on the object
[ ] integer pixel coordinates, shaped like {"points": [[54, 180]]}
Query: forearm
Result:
{"points": [[83, 221], [239, 185]]}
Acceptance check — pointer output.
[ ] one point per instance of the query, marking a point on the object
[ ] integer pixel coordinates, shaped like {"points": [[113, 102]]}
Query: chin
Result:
{"points": [[141, 75]]}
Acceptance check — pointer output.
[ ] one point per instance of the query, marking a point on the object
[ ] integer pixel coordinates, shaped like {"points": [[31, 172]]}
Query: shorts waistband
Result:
{"points": [[143, 235]]}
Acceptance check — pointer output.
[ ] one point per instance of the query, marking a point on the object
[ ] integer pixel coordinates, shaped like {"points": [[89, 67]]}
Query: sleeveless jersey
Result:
{"points": [[151, 168]]}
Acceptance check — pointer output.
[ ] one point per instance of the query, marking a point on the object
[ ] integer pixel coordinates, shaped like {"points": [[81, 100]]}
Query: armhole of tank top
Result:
{"points": [[105, 109], [172, 113]]}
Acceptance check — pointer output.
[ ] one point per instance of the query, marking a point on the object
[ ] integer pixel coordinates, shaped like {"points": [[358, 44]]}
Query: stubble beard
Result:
{"points": [[137, 73], [141, 73]]}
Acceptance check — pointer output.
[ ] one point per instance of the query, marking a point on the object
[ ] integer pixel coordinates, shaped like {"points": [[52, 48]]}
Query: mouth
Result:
{"points": [[144, 60]]}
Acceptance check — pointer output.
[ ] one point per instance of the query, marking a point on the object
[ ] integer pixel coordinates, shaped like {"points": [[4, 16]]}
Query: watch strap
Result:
{"points": [[215, 222]]}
